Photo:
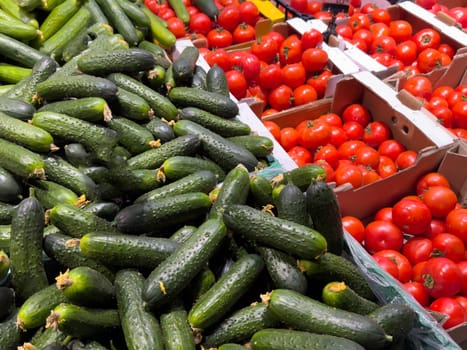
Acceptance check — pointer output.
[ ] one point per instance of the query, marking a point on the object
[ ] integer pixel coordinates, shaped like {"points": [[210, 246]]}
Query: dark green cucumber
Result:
{"points": [[11, 333], [57, 18], [19, 52], [156, 50], [176, 331], [199, 181], [213, 102], [163, 214], [76, 45], [35, 309], [219, 125], [119, 20], [216, 80], [261, 190], [80, 321], [295, 239], [51, 194], [97, 14], [201, 283], [331, 267], [396, 319], [231, 346], [77, 155], [207, 7], [158, 30], [130, 61], [183, 233], [12, 74], [184, 65], [65, 250], [27, 270], [241, 325], [155, 77], [10, 187], [306, 314], [324, 210], [92, 109], [168, 279], [127, 250], [161, 130], [162, 106], [301, 176], [46, 336], [291, 205], [288, 339], [169, 79], [134, 13], [140, 328], [85, 286], [60, 171], [213, 305], [104, 210], [6, 213], [234, 190], [76, 222], [341, 296], [260, 146], [177, 167], [16, 108], [199, 78], [132, 106], [77, 130], [283, 270], [133, 136], [76, 86], [153, 158], [224, 152], [7, 300], [20, 161], [134, 181]]}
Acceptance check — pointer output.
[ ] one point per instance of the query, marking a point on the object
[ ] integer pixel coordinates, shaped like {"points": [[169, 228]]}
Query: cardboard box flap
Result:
{"points": [[451, 167], [454, 74]]}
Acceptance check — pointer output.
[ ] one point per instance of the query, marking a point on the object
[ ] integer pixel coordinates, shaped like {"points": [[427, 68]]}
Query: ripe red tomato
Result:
{"points": [[363, 34], [452, 308], [290, 50], [456, 223], [406, 51], [200, 23], [299, 5], [300, 155], [381, 15], [332, 119], [314, 59], [355, 227], [288, 138], [315, 134], [237, 83], [459, 13], [219, 38], [437, 226], [350, 174], [418, 292], [417, 271], [311, 38], [429, 180], [387, 265], [427, 38], [368, 157], [426, 4], [386, 167], [403, 264], [275, 36], [344, 30], [338, 136], [419, 86], [463, 267], [280, 98], [165, 13], [380, 235], [249, 12], [447, 49], [406, 159], [441, 277], [250, 66], [411, 216], [265, 49], [401, 30], [219, 57], [384, 44], [319, 82], [417, 249], [440, 200], [444, 116], [243, 33], [304, 94], [391, 148], [327, 168], [429, 59], [176, 26], [293, 75], [379, 29], [383, 214], [462, 300], [359, 20], [270, 76], [357, 112], [449, 246], [459, 114], [229, 17], [353, 130], [348, 149], [328, 153], [376, 133], [273, 128]]}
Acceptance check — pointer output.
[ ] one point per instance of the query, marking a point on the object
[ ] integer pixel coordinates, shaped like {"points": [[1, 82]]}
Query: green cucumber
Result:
{"points": [[176, 331], [234, 190], [183, 233], [133, 136], [46, 336], [291, 205], [261, 190], [5, 241], [65, 250], [231, 346], [199, 78], [283, 270], [91, 109], [177, 167], [76, 45], [156, 50], [80, 321], [295, 239], [199, 181], [155, 77], [301, 176], [16, 108], [240, 325], [168, 279], [134, 13], [219, 125], [135, 181], [119, 20], [16, 28], [11, 333], [306, 314], [104, 210], [6, 213], [324, 210], [224, 152], [212, 102], [132, 106], [162, 106], [30, 5], [159, 32], [397, 320], [10, 188], [202, 283], [35, 309], [169, 79], [85, 286], [288, 339], [163, 214], [153, 158], [11, 74], [216, 80], [76, 86], [13, 9], [207, 7], [7, 299], [184, 65], [97, 14], [127, 250], [140, 328], [130, 61], [341, 296], [96, 139], [331, 267], [76, 222], [213, 305], [51, 194], [20, 161], [19, 52], [27, 269], [161, 130], [57, 18], [77, 155], [180, 10], [260, 146]]}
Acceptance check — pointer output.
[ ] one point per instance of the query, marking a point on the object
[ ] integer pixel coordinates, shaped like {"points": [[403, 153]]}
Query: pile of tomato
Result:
{"points": [[352, 147], [459, 13], [421, 241]]}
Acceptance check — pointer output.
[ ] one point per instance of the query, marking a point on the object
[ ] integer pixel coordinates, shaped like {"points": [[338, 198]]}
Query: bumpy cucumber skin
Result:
{"points": [[7, 295], [16, 108], [295, 239], [199, 78], [168, 279], [160, 130], [176, 331], [341, 296], [133, 136], [44, 338], [11, 334], [302, 176], [127, 250], [291, 205], [50, 194], [132, 106], [396, 319], [140, 328], [260, 190], [260, 146], [93, 109], [19, 51], [184, 65], [6, 213], [178, 167], [183, 233], [216, 80], [231, 346]]}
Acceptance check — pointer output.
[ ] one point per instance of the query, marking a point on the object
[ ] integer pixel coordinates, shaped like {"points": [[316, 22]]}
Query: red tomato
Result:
{"points": [[459, 14], [299, 5], [359, 20], [447, 49], [290, 50], [328, 153], [417, 271], [437, 226], [338, 136], [280, 98], [426, 4], [300, 155], [387, 265], [444, 116], [462, 300], [329, 170], [313, 7], [270, 77], [419, 86], [386, 167], [250, 66], [391, 148], [219, 38], [229, 17], [315, 134], [412, 217], [460, 133], [441, 277], [417, 249], [350, 174], [428, 59], [319, 82], [249, 12], [293, 75], [406, 159], [384, 214], [418, 292], [379, 29], [268, 111], [452, 308], [265, 49], [456, 223], [257, 92], [275, 36], [243, 33], [314, 59], [455, 97], [403, 264], [304, 94], [200, 23], [332, 119], [311, 38], [381, 15], [384, 44], [273, 128], [380, 235], [463, 267], [353, 130], [165, 13], [440, 200], [356, 112], [192, 10], [348, 149], [365, 35], [401, 30], [176, 26], [344, 30], [368, 157], [219, 57], [427, 38], [429, 180], [449, 246], [355, 227], [288, 138], [406, 51], [375, 133], [459, 114], [237, 83]]}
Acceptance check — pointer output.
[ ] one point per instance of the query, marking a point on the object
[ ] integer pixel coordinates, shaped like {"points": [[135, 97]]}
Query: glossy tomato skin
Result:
{"points": [[384, 214], [406, 51], [388, 265], [459, 114], [440, 200], [288, 138], [452, 308], [381, 235], [243, 33], [419, 86], [250, 66], [400, 30], [273, 128], [376, 132], [418, 292], [237, 83], [314, 59], [300, 155], [355, 227], [386, 166], [349, 174], [441, 277], [427, 38], [266, 49], [315, 134], [417, 249], [429, 59], [280, 98], [293, 75], [429, 180], [456, 223], [200, 23], [229, 17], [403, 264], [463, 268], [391, 148], [311, 38], [357, 112], [249, 12], [449, 246], [219, 38], [290, 50], [328, 153], [411, 216], [304, 94], [353, 130], [406, 159]]}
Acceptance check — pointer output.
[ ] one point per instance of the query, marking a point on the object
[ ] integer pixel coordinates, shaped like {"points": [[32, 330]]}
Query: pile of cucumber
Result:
{"points": [[132, 213]]}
